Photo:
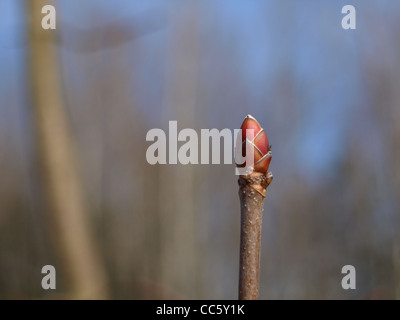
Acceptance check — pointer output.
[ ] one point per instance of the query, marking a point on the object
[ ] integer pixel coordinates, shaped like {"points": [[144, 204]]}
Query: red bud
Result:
{"points": [[250, 123], [260, 144]]}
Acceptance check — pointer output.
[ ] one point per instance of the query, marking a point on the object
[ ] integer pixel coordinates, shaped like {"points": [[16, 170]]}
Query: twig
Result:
{"points": [[251, 209], [252, 191]]}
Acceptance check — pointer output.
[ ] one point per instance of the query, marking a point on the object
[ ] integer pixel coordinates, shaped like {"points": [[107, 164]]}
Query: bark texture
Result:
{"points": [[252, 190]]}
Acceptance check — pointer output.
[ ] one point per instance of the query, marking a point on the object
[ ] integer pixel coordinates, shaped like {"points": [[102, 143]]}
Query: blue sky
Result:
{"points": [[322, 58]]}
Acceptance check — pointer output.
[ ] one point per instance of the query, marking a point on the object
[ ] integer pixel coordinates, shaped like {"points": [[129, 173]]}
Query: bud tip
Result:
{"points": [[250, 117]]}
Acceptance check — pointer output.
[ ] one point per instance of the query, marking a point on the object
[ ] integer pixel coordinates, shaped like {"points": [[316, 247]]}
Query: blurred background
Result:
{"points": [[76, 191]]}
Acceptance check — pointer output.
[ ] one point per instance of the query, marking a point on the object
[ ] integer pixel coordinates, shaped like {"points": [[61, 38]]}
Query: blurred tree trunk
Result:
{"points": [[67, 213], [381, 80], [177, 208]]}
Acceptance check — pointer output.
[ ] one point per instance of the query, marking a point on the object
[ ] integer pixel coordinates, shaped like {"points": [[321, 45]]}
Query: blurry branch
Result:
{"points": [[67, 213], [86, 40], [113, 34], [381, 74], [178, 233]]}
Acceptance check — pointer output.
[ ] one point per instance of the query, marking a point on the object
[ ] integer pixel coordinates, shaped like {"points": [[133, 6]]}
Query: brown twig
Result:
{"points": [[252, 191]]}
